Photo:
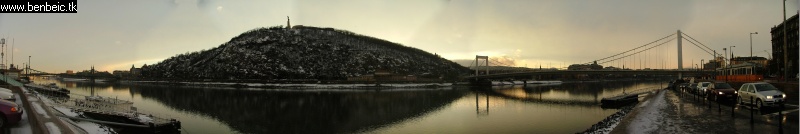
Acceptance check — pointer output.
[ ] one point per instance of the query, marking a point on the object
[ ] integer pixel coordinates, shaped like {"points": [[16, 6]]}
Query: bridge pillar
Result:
{"points": [[477, 64], [680, 54]]}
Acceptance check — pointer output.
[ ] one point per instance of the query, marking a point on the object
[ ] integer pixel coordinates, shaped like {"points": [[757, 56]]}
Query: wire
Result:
{"points": [[633, 48], [638, 51]]}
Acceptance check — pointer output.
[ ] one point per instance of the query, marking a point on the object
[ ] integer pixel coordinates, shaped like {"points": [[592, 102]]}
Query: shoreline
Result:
{"points": [[294, 85]]}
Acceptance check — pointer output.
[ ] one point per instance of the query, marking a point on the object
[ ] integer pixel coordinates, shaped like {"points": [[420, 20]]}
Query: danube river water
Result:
{"points": [[562, 108]]}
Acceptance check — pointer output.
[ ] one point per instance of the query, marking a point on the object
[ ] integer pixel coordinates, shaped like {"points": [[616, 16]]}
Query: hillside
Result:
{"points": [[302, 53]]}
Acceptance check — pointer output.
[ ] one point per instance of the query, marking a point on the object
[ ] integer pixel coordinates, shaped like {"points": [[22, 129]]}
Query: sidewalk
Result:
{"points": [[673, 112], [40, 117]]}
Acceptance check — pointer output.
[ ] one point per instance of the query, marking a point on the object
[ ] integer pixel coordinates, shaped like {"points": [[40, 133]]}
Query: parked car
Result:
{"points": [[702, 87], [683, 86], [7, 94], [692, 88], [722, 91], [12, 113], [763, 94]]}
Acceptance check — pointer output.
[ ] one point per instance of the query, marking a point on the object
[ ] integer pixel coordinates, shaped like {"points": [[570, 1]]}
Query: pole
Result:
{"points": [[751, 43], [680, 54], [785, 51]]}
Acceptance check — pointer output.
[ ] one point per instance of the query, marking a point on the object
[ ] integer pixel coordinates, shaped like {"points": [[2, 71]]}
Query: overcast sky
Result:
{"points": [[114, 34]]}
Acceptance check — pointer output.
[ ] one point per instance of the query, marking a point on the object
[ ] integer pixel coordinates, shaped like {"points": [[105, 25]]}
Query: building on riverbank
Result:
{"points": [[777, 62]]}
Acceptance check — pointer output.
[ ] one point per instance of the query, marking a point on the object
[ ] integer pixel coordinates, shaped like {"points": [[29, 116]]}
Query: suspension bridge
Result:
{"points": [[488, 69]]}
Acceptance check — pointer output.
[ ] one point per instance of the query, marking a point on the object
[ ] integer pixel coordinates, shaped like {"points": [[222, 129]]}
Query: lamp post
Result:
{"points": [[725, 67], [29, 66], [751, 43], [731, 48]]}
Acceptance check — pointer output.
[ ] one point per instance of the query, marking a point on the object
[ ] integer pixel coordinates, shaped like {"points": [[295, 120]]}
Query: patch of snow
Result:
{"points": [[66, 111], [92, 128], [647, 120], [38, 108], [23, 127], [32, 99], [145, 118], [644, 103], [52, 128]]}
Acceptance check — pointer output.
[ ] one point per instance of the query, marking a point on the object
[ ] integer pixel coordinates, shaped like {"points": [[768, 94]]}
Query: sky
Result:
{"points": [[116, 34]]}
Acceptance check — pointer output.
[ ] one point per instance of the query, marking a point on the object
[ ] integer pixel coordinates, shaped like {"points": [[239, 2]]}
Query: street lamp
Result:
{"points": [[29, 66], [751, 43], [731, 48]]}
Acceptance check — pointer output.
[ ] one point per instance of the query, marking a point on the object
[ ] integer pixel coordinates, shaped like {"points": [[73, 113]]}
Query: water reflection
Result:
{"points": [[580, 94], [259, 111], [565, 108]]}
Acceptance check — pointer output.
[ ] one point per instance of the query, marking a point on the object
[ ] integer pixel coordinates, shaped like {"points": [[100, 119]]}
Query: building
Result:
{"points": [[593, 66], [12, 72], [777, 62], [121, 73], [70, 72], [712, 65], [135, 72]]}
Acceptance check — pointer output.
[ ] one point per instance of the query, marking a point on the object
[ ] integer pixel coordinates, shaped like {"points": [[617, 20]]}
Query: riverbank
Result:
{"points": [[291, 85]]}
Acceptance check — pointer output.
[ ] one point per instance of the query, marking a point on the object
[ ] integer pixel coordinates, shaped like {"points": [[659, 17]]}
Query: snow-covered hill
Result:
{"points": [[302, 53]]}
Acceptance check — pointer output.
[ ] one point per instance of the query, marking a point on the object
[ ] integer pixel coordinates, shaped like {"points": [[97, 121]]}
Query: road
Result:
{"points": [[676, 112]]}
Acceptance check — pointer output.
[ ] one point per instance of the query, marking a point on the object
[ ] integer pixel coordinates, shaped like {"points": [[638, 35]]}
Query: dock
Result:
{"points": [[112, 111], [625, 98]]}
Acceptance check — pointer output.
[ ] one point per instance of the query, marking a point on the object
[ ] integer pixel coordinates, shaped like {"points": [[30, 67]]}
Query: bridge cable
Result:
{"points": [[638, 52], [690, 37], [709, 53], [634, 48]]}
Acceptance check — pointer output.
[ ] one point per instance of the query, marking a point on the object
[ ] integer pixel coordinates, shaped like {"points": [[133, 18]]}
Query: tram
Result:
{"points": [[745, 72]]}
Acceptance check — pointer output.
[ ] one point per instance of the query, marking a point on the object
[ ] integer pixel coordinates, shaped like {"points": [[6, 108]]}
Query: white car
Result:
{"points": [[702, 87], [763, 94], [7, 94]]}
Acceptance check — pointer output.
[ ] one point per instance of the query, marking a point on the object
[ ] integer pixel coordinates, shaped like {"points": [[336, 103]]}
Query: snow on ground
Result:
{"points": [[52, 128], [38, 108], [23, 127], [648, 118], [145, 118], [89, 127], [66, 111]]}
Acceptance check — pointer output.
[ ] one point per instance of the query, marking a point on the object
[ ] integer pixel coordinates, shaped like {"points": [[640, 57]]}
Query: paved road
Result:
{"points": [[675, 112]]}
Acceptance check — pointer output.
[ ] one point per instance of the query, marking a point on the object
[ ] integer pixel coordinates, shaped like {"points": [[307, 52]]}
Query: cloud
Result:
{"points": [[502, 61]]}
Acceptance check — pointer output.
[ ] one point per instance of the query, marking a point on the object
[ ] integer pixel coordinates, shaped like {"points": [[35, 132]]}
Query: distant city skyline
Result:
{"points": [[113, 35]]}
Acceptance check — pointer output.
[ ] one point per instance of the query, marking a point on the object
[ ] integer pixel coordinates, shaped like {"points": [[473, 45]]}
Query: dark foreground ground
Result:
{"points": [[671, 112]]}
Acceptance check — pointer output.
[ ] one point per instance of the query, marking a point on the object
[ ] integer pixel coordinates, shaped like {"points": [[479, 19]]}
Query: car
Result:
{"points": [[7, 94], [692, 87], [722, 91], [702, 87], [12, 113], [763, 94], [683, 86]]}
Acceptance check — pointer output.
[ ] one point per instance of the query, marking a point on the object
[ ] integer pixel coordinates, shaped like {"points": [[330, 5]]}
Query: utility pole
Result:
{"points": [[785, 51]]}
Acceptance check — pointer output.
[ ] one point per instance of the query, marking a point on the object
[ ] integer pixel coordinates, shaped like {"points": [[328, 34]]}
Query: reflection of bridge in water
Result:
{"points": [[570, 94], [520, 93]]}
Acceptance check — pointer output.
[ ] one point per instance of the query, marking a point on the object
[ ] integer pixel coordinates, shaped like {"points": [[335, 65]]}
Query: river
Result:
{"points": [[563, 108]]}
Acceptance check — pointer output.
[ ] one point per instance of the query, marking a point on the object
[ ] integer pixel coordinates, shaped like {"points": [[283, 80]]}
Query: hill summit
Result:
{"points": [[302, 52]]}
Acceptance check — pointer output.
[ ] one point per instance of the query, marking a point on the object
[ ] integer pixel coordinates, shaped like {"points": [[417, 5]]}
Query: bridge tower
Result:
{"points": [[477, 64], [680, 54]]}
